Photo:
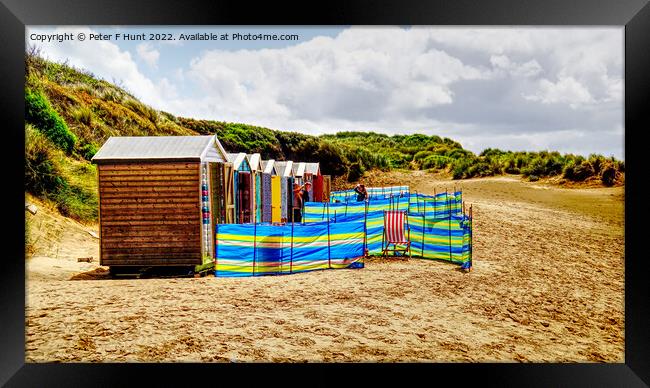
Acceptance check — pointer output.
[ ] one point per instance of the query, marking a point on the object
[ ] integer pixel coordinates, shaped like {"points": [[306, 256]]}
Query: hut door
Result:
{"points": [[327, 187], [289, 198], [217, 187], [229, 194], [258, 197], [267, 197], [318, 188], [276, 197], [244, 193]]}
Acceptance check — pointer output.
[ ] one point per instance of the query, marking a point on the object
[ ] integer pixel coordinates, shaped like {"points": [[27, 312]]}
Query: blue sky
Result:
{"points": [[510, 87]]}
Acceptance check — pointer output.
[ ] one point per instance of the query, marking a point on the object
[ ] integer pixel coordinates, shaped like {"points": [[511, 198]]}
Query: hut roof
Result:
{"points": [[284, 168], [146, 148], [254, 160], [299, 169], [268, 166], [236, 159], [312, 168]]}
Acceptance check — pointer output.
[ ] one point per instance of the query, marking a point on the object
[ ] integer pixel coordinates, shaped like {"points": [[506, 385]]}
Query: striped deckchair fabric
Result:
{"points": [[258, 249], [394, 225]]}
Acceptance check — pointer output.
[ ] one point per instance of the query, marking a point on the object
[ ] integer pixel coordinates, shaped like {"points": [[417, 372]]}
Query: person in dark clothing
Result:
{"points": [[362, 194], [305, 192], [297, 203]]}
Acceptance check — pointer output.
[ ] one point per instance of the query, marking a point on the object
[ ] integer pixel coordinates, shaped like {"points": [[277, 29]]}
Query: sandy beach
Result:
{"points": [[547, 286]]}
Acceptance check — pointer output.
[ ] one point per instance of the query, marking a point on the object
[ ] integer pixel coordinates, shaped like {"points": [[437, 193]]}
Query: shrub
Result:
{"points": [[75, 202], [597, 162], [583, 171], [83, 115], [355, 172], [459, 169], [421, 155], [609, 174], [143, 110], [534, 167], [42, 172], [620, 166], [110, 94], [510, 166], [436, 161], [88, 151], [39, 113], [84, 88], [569, 171]]}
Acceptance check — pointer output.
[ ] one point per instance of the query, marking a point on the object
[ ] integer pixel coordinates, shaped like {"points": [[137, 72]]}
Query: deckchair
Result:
{"points": [[395, 222]]}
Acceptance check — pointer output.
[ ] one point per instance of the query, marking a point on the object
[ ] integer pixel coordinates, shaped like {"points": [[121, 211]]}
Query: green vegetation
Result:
{"points": [[39, 113], [70, 113], [49, 174]]}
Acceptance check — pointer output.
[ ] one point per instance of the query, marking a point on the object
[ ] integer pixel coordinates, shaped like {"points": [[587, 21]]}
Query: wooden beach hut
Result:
{"points": [[271, 188], [284, 170], [159, 199], [255, 163], [312, 174], [327, 187], [243, 187], [298, 169]]}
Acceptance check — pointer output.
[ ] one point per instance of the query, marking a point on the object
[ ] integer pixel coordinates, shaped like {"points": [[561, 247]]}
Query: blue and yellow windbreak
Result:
{"points": [[264, 249], [438, 227], [373, 193], [335, 235]]}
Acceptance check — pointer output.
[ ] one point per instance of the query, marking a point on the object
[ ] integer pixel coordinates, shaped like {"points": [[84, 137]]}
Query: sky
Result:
{"points": [[514, 88]]}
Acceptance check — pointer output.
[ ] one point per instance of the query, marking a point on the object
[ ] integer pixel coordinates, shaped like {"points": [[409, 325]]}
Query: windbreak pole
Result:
{"points": [[424, 217], [471, 241], [254, 246], [329, 245], [365, 229], [449, 207], [216, 248], [291, 254], [434, 203]]}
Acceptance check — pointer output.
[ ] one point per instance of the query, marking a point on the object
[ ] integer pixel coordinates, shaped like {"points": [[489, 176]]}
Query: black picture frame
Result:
{"points": [[16, 14]]}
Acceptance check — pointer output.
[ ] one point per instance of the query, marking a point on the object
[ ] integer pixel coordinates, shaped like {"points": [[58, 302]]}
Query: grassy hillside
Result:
{"points": [[70, 113]]}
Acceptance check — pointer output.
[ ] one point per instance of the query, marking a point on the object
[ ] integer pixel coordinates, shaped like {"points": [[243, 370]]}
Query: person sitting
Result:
{"points": [[362, 193]]}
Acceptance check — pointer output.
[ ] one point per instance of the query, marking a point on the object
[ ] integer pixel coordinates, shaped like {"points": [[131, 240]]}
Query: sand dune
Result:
{"points": [[547, 286]]}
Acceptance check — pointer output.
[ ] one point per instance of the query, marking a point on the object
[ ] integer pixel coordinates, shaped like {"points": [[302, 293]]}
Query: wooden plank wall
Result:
{"points": [[150, 214]]}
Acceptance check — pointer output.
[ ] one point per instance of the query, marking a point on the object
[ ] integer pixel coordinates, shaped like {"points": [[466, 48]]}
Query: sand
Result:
{"points": [[547, 286]]}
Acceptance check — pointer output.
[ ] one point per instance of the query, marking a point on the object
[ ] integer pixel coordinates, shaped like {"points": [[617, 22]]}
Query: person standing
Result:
{"points": [[297, 203], [305, 192]]}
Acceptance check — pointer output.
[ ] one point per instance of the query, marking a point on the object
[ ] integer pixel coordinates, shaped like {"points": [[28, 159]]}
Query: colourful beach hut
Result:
{"points": [[298, 169], [271, 192], [242, 177], [255, 163], [312, 174], [327, 187], [160, 198], [284, 169]]}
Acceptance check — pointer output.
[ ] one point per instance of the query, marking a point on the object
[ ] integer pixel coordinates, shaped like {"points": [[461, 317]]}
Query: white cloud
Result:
{"points": [[527, 69], [487, 87], [147, 53], [106, 60], [565, 90]]}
